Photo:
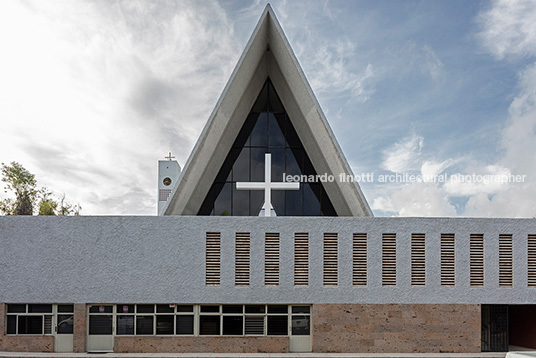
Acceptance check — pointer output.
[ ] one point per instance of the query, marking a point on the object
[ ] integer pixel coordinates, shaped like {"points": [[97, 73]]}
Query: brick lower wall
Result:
{"points": [[201, 344], [400, 328], [337, 328], [22, 343], [79, 328]]}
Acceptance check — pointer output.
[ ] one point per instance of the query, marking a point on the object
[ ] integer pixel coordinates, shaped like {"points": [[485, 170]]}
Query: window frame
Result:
{"points": [[52, 316], [197, 313]]}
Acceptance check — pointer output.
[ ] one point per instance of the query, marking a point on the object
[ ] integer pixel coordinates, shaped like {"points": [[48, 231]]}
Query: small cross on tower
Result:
{"points": [[267, 185], [169, 156]]}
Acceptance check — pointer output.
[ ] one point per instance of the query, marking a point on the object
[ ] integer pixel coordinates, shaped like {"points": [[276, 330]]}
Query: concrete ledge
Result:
{"points": [[523, 354]]}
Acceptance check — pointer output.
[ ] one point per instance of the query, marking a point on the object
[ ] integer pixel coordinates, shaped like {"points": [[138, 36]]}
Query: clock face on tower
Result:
{"points": [[167, 181]]}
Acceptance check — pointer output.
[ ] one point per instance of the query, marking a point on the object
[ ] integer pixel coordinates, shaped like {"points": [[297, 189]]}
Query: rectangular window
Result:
{"points": [[418, 260], [301, 320], [185, 324], [359, 260], [242, 259], [212, 258], [233, 325], [388, 259], [301, 259], [165, 324], [100, 324], [11, 324], [448, 264], [144, 325], [65, 308], [531, 260], [125, 325], [205, 320], [209, 325], [271, 259], [506, 261], [277, 325], [30, 324], [34, 319], [331, 264], [476, 260]]}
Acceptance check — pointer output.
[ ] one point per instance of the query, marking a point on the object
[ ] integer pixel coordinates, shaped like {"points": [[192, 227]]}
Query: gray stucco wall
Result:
{"points": [[162, 260]]}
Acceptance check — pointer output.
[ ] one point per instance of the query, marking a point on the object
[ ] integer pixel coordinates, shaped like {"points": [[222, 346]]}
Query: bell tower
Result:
{"points": [[168, 174]]}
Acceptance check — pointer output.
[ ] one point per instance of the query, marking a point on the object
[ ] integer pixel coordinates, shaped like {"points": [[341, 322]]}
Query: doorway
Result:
{"points": [[522, 326], [100, 328], [300, 339], [64, 323]]}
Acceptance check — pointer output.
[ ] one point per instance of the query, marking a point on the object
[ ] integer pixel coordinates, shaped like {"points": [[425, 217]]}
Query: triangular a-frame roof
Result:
{"points": [[267, 54]]}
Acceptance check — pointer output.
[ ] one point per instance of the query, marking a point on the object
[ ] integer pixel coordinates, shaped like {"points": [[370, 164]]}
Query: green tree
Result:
{"points": [[47, 205], [23, 184], [27, 197]]}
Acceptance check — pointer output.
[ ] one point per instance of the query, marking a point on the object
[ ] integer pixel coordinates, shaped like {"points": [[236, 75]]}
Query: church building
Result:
{"points": [[258, 246]]}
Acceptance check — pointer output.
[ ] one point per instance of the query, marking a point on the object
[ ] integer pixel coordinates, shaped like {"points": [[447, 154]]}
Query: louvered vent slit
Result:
{"points": [[301, 259], [531, 257], [331, 263], [271, 259], [476, 260], [389, 259], [506, 261], [359, 260], [448, 264], [254, 325], [212, 258], [418, 260], [242, 259], [48, 325]]}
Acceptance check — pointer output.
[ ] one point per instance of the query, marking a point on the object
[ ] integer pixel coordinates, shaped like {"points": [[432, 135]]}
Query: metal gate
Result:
{"points": [[494, 328]]}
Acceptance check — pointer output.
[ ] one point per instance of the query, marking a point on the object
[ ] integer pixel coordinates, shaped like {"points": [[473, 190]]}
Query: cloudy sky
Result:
{"points": [[93, 93]]}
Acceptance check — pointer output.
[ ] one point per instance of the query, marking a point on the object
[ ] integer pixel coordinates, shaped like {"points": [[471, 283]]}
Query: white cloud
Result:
{"points": [[509, 28], [91, 101], [383, 203], [331, 74], [519, 143], [416, 199], [479, 180], [403, 156], [431, 168], [329, 65], [431, 64]]}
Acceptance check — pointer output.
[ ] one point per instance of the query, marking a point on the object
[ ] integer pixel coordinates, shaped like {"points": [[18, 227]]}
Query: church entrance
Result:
{"points": [[508, 327], [522, 326], [494, 328]]}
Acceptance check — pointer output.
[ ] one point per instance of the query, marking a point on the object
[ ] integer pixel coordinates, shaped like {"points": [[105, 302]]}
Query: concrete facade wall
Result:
{"points": [[162, 260], [396, 328]]}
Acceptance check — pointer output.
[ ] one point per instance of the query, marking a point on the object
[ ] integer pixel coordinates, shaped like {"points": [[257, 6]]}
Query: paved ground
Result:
{"points": [[267, 355]]}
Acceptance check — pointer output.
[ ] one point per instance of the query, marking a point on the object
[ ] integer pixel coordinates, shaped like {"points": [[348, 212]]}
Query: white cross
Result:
{"points": [[267, 185]]}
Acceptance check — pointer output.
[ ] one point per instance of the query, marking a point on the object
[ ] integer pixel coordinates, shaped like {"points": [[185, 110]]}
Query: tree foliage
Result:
{"points": [[23, 184], [28, 199]]}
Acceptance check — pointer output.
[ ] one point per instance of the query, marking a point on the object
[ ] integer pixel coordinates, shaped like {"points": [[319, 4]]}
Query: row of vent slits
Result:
{"points": [[359, 259]]}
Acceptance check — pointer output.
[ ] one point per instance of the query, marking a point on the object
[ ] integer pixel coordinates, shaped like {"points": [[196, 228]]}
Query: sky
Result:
{"points": [[94, 93]]}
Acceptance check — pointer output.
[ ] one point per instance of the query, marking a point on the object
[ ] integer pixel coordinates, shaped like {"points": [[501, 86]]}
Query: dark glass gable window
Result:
{"points": [[267, 129]]}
